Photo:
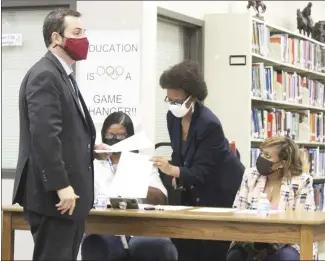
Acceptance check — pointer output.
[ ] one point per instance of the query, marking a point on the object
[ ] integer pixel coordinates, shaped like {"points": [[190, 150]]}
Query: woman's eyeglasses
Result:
{"points": [[117, 136], [174, 102]]}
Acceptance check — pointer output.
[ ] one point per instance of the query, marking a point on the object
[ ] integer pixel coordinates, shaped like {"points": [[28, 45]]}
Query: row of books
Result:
{"points": [[269, 84], [303, 126], [287, 49], [313, 160]]}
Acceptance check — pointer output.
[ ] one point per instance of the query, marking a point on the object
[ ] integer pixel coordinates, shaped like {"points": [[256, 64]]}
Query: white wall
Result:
{"points": [[196, 9], [138, 15]]}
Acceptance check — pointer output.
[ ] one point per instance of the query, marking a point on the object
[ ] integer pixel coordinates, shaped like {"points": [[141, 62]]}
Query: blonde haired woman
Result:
{"points": [[279, 174]]}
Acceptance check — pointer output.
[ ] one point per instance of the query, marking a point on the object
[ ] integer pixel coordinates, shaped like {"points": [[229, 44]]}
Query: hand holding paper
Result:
{"points": [[164, 165], [102, 152]]}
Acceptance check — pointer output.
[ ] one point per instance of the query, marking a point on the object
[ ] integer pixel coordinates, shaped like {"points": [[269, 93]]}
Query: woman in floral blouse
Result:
{"points": [[279, 174]]}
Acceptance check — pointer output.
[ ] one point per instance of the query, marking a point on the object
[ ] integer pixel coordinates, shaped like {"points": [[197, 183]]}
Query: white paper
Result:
{"points": [[132, 176], [12, 40], [164, 207], [109, 79], [138, 141], [254, 211], [103, 151], [213, 210], [143, 206]]}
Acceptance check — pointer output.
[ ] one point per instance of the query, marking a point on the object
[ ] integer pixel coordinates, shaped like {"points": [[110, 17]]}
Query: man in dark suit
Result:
{"points": [[54, 179]]}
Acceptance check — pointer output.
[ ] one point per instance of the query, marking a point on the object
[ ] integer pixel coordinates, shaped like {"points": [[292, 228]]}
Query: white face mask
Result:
{"points": [[180, 110]]}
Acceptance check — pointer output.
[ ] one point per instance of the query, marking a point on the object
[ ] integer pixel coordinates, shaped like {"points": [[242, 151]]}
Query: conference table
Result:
{"points": [[302, 228]]}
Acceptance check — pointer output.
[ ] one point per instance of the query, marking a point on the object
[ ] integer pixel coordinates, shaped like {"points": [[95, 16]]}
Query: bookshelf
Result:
{"points": [[263, 81]]}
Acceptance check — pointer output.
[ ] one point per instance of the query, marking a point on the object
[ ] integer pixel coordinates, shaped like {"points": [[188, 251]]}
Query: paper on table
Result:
{"points": [[254, 211], [143, 206], [132, 176], [214, 210], [164, 207]]}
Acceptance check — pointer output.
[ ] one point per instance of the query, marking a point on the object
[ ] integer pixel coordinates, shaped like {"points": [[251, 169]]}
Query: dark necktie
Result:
{"points": [[74, 83], [76, 90]]}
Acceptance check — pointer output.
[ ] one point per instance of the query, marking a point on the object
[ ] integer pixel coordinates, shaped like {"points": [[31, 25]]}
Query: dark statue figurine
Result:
{"points": [[305, 23], [319, 31], [257, 5]]}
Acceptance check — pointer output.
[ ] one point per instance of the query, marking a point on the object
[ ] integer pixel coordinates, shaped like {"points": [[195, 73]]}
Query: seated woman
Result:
{"points": [[278, 173], [118, 126]]}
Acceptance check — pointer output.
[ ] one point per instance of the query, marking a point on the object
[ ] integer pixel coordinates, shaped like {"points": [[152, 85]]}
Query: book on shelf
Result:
{"points": [[313, 160], [288, 49], [274, 85], [319, 196], [302, 126]]}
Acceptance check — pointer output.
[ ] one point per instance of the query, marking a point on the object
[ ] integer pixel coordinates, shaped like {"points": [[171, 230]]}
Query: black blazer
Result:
{"points": [[210, 172], [56, 141]]}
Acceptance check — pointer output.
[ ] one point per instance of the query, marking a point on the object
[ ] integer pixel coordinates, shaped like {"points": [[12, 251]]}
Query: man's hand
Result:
{"points": [[102, 156], [67, 200]]}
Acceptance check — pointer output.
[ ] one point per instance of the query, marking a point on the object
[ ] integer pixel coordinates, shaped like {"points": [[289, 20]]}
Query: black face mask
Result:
{"points": [[264, 166], [111, 142]]}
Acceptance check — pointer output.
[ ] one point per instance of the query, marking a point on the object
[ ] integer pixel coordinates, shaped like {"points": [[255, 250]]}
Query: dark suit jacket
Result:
{"points": [[210, 172], [56, 141]]}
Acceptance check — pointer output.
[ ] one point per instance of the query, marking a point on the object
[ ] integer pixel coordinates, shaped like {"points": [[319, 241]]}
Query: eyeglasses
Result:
{"points": [[117, 136], [174, 102]]}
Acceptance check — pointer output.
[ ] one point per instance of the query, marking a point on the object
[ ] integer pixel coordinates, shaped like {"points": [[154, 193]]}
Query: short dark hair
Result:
{"points": [[118, 118], [185, 76], [55, 22]]}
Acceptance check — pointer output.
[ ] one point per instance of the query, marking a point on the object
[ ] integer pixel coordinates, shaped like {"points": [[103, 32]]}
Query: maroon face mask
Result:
{"points": [[76, 48]]}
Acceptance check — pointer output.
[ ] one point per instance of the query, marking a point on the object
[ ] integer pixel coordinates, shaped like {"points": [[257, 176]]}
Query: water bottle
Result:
{"points": [[264, 205]]}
